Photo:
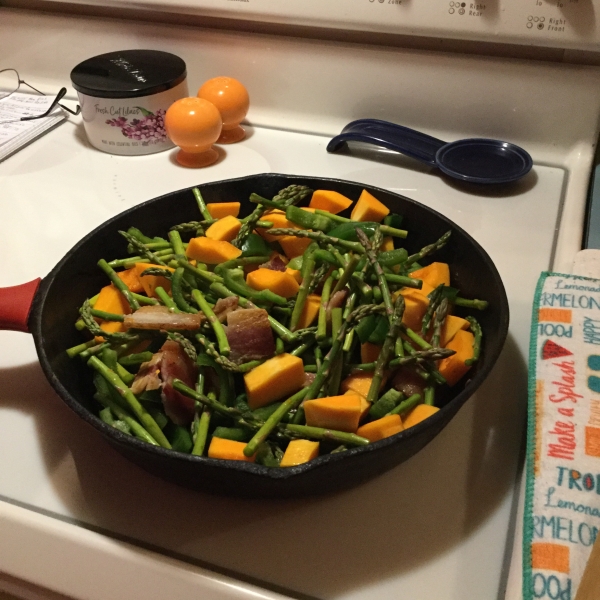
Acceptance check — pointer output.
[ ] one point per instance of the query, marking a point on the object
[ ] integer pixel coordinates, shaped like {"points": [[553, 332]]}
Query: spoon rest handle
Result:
{"points": [[391, 136]]}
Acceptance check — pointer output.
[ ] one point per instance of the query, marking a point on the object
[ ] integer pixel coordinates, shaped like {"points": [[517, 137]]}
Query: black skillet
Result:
{"points": [[50, 311]]}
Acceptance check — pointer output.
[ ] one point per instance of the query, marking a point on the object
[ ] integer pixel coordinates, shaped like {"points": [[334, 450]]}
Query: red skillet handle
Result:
{"points": [[15, 304]]}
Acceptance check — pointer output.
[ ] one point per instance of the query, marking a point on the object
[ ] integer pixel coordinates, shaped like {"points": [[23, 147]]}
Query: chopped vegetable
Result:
{"points": [[211, 252], [368, 208], [274, 379], [341, 413], [224, 229], [218, 210], [298, 452], [331, 201], [381, 428], [419, 413]]}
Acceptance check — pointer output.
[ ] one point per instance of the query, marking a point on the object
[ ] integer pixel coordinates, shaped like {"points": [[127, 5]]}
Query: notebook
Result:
{"points": [[17, 134]]}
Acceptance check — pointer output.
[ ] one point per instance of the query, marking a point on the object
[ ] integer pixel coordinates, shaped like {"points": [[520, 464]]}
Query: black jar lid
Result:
{"points": [[128, 74]]}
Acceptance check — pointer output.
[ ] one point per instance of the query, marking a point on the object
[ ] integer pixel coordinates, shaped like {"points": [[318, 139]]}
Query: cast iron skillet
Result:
{"points": [[55, 309]]}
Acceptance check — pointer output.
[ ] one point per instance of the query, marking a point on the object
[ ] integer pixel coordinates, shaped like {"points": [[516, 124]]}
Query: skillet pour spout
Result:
{"points": [[76, 277]]}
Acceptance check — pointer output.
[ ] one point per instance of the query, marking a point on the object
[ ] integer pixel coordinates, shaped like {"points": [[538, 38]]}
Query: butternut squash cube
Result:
{"points": [[358, 383], [295, 273], [277, 281], [299, 452], [419, 413], [310, 311], [211, 252], [364, 405], [112, 300], [328, 200], [151, 282], [454, 367], [218, 210], [130, 278], [381, 428], [451, 325], [228, 450], [368, 208], [369, 352], [387, 244], [293, 246], [416, 303], [341, 413], [276, 378], [224, 229], [279, 220], [434, 274]]}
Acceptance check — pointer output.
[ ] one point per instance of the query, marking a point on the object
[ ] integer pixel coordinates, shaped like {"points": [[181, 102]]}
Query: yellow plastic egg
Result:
{"points": [[194, 124], [232, 100]]}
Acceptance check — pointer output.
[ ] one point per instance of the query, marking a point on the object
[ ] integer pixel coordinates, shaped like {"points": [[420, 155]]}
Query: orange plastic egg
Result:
{"points": [[232, 100], [194, 124]]}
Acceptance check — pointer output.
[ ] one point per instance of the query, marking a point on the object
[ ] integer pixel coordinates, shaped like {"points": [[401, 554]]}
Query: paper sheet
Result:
{"points": [[16, 134]]}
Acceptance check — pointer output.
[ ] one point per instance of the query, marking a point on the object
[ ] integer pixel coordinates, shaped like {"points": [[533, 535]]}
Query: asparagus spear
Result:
{"points": [[140, 412], [386, 350], [478, 334], [214, 322], [383, 286]]}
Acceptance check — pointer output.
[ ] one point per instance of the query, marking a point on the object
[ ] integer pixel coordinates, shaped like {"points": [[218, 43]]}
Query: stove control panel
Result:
{"points": [[573, 24]]}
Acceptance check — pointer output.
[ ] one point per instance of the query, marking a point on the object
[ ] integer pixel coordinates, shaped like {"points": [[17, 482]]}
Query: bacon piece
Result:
{"points": [[275, 263], [308, 379], [224, 306], [176, 364], [161, 317], [408, 382], [249, 335], [148, 375]]}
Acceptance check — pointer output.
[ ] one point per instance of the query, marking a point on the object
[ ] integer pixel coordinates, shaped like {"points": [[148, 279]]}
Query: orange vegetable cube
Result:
{"points": [[454, 367], [416, 303], [112, 300], [310, 311], [228, 450], [294, 246], [211, 252], [358, 383], [369, 352], [277, 281], [382, 428], [328, 200], [131, 280], [151, 282], [341, 413], [368, 208], [387, 244], [434, 274], [224, 229], [308, 209], [297, 275], [419, 413], [299, 452], [218, 210], [279, 220], [277, 377], [364, 405], [451, 325]]}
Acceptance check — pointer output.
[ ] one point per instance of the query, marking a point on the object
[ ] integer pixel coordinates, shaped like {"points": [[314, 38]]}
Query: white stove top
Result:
{"points": [[435, 527]]}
